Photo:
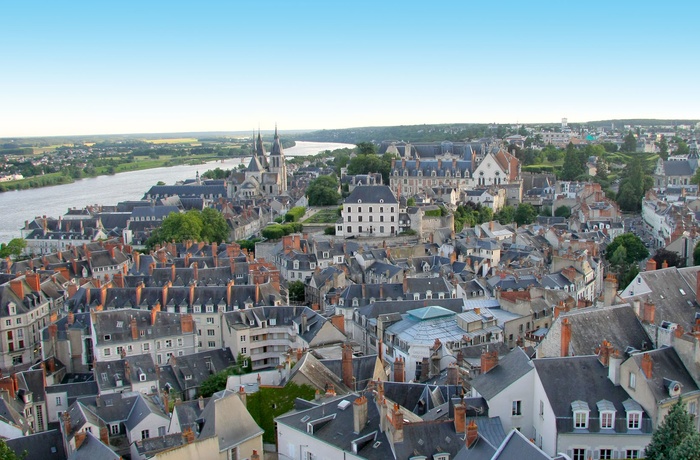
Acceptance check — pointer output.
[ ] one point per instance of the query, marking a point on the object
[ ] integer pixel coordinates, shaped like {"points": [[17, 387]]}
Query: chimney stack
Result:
{"points": [[255, 455], [397, 423], [604, 353], [134, 329], [347, 370], [80, 439], [649, 312], [66, 423], [609, 290], [615, 361], [359, 414], [242, 395], [460, 417], [472, 434], [489, 360], [565, 337], [399, 370], [104, 435], [452, 374], [651, 265], [647, 365]]}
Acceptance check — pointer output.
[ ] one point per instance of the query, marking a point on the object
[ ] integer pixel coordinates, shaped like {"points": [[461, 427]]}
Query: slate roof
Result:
{"points": [[580, 378], [192, 370], [188, 412], [401, 307], [74, 390], [142, 408], [618, 324], [47, 445], [93, 449], [371, 194], [362, 369], [217, 421], [281, 315], [336, 432], [667, 366], [510, 368], [151, 446], [678, 168]]}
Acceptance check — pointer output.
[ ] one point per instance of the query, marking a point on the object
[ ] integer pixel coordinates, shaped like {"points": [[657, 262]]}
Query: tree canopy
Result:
{"points": [[633, 246], [296, 291], [676, 438], [630, 143], [13, 249], [525, 214], [563, 211], [323, 191], [633, 186], [207, 225], [670, 257]]}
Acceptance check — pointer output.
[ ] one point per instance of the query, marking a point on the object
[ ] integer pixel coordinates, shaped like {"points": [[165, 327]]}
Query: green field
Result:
{"points": [[325, 216]]}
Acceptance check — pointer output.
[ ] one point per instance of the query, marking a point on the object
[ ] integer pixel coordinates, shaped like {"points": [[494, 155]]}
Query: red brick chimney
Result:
{"points": [[399, 370], [80, 439], [104, 435], [17, 287], [34, 281], [134, 329], [188, 435], [186, 323], [606, 350], [460, 417], [346, 370], [649, 312], [66, 422], [255, 455], [647, 365], [472, 434], [565, 337], [651, 265], [489, 360], [664, 264], [359, 414], [154, 313]]}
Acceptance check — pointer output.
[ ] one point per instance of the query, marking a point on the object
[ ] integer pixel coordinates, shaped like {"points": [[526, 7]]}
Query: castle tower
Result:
{"points": [[277, 163]]}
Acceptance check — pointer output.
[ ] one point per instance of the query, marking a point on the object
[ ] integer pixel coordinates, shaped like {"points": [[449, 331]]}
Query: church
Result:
{"points": [[265, 175]]}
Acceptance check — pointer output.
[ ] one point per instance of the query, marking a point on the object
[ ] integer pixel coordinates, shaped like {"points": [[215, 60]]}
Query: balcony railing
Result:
{"points": [[566, 425]]}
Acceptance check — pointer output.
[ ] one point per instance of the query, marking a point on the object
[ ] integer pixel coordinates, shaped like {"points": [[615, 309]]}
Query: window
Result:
{"points": [[145, 434], [210, 308], [349, 229], [349, 218], [211, 332], [580, 419], [349, 209], [58, 400], [168, 343], [211, 344], [579, 454], [633, 380], [179, 342], [8, 322], [114, 428], [146, 346], [19, 320], [541, 402], [370, 209], [634, 421], [107, 352], [517, 408], [108, 337], [359, 219], [210, 320], [606, 420], [243, 339], [161, 431], [606, 454], [632, 453], [120, 350], [244, 350]]}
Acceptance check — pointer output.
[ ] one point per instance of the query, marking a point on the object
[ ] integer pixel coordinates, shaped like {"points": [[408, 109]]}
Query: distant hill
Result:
{"points": [[409, 133]]}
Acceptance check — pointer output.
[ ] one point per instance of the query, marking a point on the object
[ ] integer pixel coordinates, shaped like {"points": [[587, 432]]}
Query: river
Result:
{"points": [[18, 206]]}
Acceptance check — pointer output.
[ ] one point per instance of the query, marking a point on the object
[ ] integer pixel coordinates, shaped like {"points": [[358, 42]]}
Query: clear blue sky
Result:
{"points": [[124, 67]]}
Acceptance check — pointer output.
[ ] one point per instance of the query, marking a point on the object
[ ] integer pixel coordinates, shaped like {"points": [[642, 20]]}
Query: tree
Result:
{"points": [[13, 249], [505, 215], [630, 143], [525, 214], [412, 201], [563, 211], [676, 437], [682, 148], [206, 225], [572, 167], [323, 191], [634, 248], [296, 291], [366, 148], [8, 454], [662, 144], [217, 382], [696, 254], [670, 257]]}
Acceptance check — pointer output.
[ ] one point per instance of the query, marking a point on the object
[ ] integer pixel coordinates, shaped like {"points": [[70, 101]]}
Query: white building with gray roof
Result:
{"points": [[369, 211]]}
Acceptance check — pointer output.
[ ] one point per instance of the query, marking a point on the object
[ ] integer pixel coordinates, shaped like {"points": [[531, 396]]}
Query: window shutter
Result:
{"points": [[616, 454]]}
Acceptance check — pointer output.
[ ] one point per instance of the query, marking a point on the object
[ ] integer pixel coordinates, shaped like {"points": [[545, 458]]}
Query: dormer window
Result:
{"points": [[581, 412], [607, 414], [634, 414]]}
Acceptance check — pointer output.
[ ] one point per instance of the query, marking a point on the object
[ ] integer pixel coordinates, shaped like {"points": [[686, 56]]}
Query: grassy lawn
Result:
{"points": [[325, 216], [269, 403]]}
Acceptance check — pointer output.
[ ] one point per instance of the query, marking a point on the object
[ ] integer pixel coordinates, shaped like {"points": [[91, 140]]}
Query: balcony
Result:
{"points": [[566, 425]]}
